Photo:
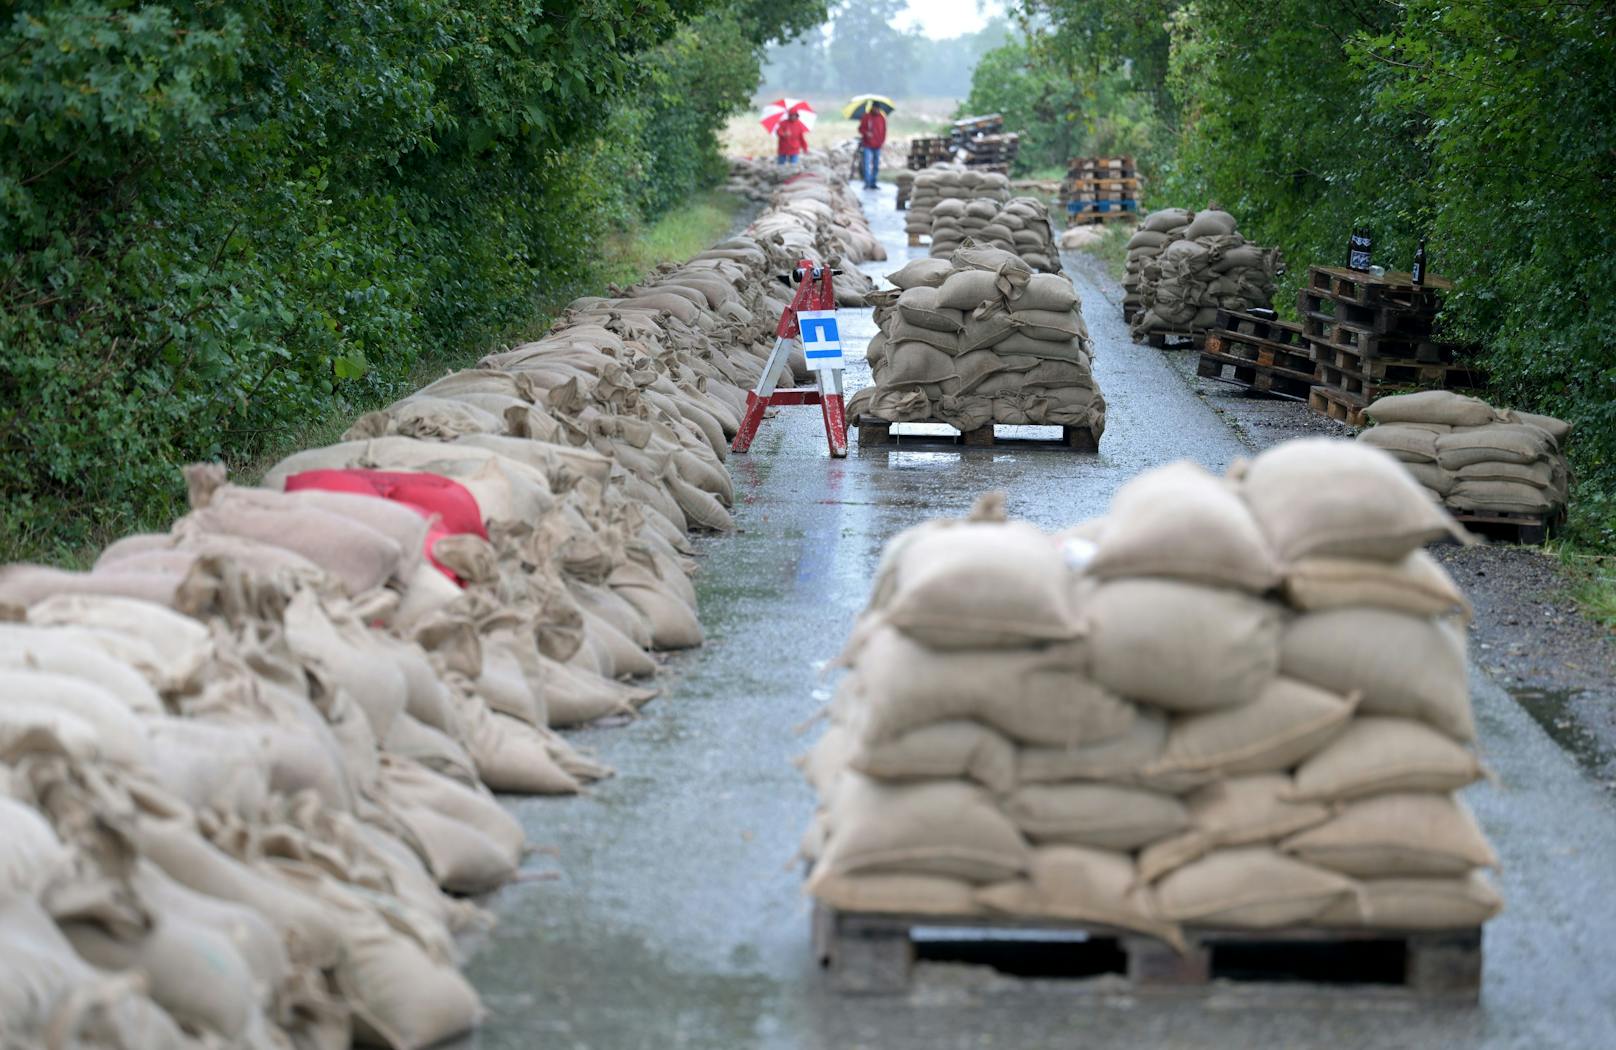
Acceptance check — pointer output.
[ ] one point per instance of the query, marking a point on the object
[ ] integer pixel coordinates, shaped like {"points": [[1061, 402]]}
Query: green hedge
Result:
{"points": [[220, 224], [1484, 125]]}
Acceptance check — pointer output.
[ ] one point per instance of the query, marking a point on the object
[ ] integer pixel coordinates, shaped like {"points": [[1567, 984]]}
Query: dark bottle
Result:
{"points": [[1417, 275], [1358, 248]]}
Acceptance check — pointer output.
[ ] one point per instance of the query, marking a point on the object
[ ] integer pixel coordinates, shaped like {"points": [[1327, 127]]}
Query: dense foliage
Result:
{"points": [[860, 50], [219, 222], [1486, 126]]}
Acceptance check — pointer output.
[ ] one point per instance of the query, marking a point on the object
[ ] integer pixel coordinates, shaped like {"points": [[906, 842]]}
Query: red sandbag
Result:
{"points": [[456, 508], [451, 501]]}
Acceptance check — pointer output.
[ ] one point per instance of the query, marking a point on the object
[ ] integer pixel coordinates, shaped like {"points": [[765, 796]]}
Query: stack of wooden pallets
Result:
{"points": [[1371, 335], [1260, 354], [926, 150], [1100, 189]]}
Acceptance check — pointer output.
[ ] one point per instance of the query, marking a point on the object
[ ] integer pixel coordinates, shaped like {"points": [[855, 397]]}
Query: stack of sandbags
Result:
{"points": [[1231, 702], [1472, 457], [934, 186], [244, 763], [1184, 267], [904, 180], [1020, 226], [979, 339]]}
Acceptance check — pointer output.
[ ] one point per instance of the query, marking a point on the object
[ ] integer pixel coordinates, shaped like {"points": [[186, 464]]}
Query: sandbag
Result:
{"points": [[944, 828], [1241, 811], [901, 685], [1179, 521], [1402, 835], [1288, 721], [1417, 585], [1080, 885], [1408, 666], [1249, 887], [1102, 816], [1181, 646], [1317, 496], [1377, 755], [1432, 406], [957, 750], [894, 894], [1418, 904]]}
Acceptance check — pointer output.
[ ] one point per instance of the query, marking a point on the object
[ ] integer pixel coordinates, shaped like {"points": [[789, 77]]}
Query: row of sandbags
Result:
{"points": [[950, 182], [976, 339], [1472, 457], [814, 216], [1021, 226], [246, 765], [1183, 267], [1229, 702]]}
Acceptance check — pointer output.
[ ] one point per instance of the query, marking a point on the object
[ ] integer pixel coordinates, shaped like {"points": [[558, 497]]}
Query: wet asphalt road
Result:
{"points": [[667, 911]]}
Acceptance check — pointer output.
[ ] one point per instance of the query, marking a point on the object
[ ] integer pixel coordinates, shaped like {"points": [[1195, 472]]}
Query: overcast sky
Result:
{"points": [[944, 18]]}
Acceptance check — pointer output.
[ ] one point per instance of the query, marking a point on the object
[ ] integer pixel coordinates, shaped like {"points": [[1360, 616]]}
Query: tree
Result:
{"points": [[867, 52]]}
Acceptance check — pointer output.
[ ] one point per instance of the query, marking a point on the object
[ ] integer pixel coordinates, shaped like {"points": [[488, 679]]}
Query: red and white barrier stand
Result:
{"points": [[811, 317]]}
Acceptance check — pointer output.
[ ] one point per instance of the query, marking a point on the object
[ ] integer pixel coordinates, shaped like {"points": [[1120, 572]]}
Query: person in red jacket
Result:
{"points": [[872, 136], [793, 139]]}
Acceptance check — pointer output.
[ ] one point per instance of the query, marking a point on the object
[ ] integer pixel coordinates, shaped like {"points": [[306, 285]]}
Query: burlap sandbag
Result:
{"points": [[1418, 904], [75, 652], [986, 329], [921, 273], [1418, 585], [1402, 835], [1539, 474], [1288, 721], [1375, 755], [1179, 521], [957, 750], [982, 584], [1167, 220], [1181, 646], [1440, 482], [1497, 442], [1118, 759], [900, 330], [1036, 695], [1510, 496], [1047, 292], [923, 307], [1432, 406], [1012, 274], [1408, 666], [1407, 443], [1318, 496], [893, 894], [1102, 816], [120, 736], [968, 289], [1242, 811], [1558, 429], [1075, 884], [916, 364], [944, 828], [1056, 326], [1249, 887], [31, 855]]}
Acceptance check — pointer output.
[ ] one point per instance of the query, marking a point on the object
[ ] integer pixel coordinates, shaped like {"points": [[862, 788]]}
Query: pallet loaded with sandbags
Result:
{"points": [[979, 339], [246, 765], [1230, 703], [1183, 267], [1490, 467]]}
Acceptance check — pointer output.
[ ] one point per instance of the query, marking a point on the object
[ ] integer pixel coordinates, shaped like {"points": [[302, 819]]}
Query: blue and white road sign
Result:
{"points": [[821, 339]]}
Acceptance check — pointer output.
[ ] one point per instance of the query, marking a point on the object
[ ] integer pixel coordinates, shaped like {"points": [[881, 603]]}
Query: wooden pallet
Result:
{"points": [[874, 954], [1337, 404], [1383, 320], [1364, 289], [877, 432], [1262, 379], [1383, 371], [1366, 342], [1509, 527], [1271, 329], [1261, 350]]}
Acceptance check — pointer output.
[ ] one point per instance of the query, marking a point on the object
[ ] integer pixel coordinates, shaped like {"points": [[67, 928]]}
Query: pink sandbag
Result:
{"points": [[430, 494]]}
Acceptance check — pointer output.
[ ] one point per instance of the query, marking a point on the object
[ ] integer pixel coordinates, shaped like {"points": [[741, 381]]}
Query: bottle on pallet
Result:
{"points": [[1417, 274], [1358, 249]]}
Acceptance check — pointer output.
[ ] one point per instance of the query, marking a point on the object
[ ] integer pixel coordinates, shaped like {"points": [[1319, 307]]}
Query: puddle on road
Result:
{"points": [[1551, 708]]}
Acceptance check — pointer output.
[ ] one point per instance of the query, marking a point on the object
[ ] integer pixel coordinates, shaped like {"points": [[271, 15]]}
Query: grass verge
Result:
{"points": [[635, 251]]}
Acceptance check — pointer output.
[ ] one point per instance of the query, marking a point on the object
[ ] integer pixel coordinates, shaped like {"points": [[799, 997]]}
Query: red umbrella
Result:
{"points": [[776, 111]]}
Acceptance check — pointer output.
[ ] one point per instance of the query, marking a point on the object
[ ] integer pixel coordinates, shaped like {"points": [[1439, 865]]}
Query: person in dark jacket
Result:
{"points": [[872, 136]]}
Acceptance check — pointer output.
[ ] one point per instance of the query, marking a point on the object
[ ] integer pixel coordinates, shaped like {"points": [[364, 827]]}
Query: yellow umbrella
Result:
{"points": [[862, 103]]}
